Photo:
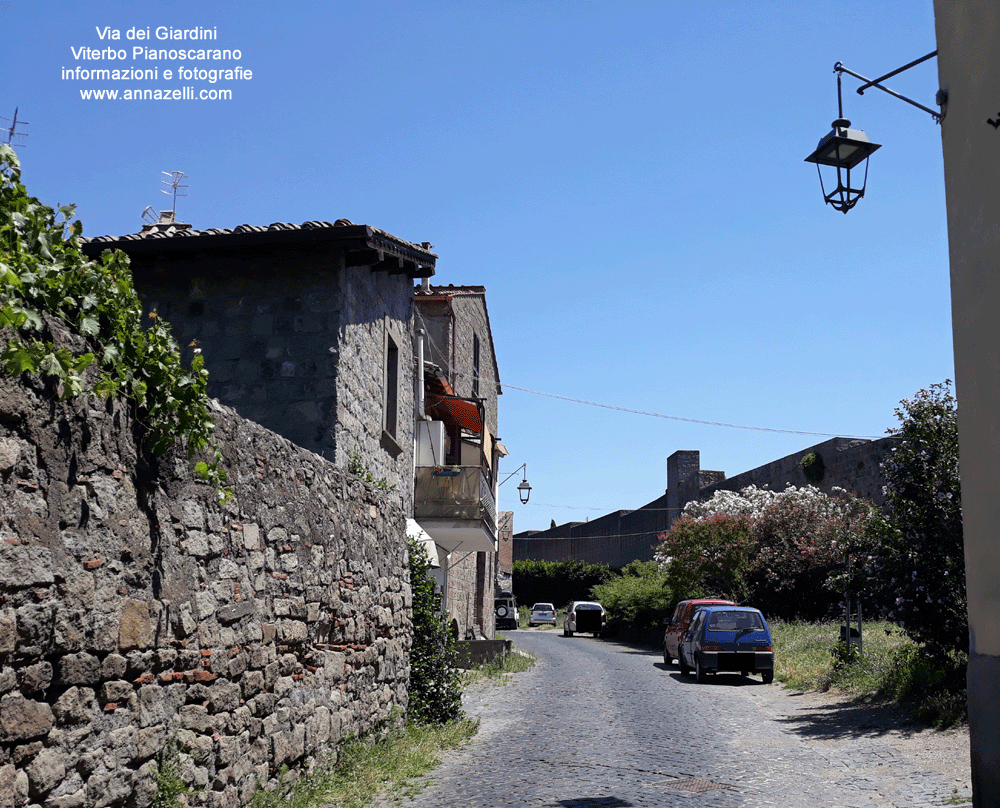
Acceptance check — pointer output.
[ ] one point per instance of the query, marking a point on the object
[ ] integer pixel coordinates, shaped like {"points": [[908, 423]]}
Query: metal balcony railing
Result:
{"points": [[455, 492]]}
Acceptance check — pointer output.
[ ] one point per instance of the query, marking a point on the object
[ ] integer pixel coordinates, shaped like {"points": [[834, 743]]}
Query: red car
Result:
{"points": [[678, 625]]}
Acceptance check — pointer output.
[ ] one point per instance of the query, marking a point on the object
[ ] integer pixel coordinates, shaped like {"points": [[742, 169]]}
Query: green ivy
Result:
{"points": [[812, 466], [43, 272], [357, 467]]}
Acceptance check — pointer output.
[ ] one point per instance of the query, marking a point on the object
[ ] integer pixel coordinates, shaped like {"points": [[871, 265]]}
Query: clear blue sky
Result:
{"points": [[625, 178]]}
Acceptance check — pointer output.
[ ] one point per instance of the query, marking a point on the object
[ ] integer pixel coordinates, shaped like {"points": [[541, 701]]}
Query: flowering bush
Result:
{"points": [[781, 550]]}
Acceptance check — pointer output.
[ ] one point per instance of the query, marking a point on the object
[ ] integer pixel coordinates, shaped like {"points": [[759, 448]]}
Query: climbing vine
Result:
{"points": [[43, 273]]}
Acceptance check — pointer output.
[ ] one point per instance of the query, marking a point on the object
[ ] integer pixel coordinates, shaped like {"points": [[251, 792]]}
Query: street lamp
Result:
{"points": [[845, 148], [523, 489]]}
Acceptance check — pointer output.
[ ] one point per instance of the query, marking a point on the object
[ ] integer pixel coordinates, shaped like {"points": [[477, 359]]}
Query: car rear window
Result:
{"points": [[542, 607], [735, 621], [582, 607]]}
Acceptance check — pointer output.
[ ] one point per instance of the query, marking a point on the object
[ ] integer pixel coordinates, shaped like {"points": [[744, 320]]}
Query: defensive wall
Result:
{"points": [[138, 613], [625, 536]]}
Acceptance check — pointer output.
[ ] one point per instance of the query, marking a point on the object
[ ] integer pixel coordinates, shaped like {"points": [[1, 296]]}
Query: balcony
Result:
{"points": [[455, 505]]}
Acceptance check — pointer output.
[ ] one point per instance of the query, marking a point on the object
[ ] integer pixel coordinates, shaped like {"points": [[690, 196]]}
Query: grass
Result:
{"points": [[808, 656], [496, 670], [363, 768], [388, 766]]}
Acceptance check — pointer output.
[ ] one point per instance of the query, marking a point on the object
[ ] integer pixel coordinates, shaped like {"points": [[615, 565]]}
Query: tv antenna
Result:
{"points": [[12, 130], [174, 181]]}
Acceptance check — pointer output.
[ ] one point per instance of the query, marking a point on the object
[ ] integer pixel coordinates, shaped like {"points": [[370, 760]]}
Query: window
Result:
{"points": [[475, 365], [391, 406]]}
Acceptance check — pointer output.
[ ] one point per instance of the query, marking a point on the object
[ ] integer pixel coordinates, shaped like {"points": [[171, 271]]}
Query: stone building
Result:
{"points": [[458, 452], [305, 328]]}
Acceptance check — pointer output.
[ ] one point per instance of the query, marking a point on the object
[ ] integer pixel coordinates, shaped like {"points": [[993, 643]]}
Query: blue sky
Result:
{"points": [[625, 177]]}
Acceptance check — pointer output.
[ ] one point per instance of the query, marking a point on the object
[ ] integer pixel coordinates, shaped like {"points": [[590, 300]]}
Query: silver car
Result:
{"points": [[542, 613]]}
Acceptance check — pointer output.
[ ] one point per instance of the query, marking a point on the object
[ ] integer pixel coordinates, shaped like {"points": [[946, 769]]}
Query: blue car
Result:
{"points": [[727, 638]]}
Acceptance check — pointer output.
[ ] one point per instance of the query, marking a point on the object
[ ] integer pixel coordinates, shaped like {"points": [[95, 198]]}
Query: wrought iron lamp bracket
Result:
{"points": [[839, 68]]}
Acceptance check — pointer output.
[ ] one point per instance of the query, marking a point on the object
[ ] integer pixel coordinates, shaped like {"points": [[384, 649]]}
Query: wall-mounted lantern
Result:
{"points": [[844, 148], [523, 489]]}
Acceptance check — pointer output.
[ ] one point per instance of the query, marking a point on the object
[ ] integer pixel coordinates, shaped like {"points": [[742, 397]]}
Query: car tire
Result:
{"points": [[767, 677], [699, 671], [685, 670], [666, 657]]}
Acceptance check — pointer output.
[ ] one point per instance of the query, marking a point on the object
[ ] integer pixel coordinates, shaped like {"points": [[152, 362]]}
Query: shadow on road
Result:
{"points": [[852, 718]]}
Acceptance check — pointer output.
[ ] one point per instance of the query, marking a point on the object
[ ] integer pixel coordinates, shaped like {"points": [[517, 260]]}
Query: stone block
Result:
{"points": [[114, 666], [24, 720], [25, 565], [33, 678], [74, 706], [8, 631], [135, 629], [44, 771]]}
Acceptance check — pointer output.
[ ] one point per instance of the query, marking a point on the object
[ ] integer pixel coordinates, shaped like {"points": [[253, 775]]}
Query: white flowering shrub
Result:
{"points": [[783, 551]]}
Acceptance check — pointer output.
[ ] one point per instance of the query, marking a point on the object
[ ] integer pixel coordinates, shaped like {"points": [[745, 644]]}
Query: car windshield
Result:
{"points": [[735, 621]]}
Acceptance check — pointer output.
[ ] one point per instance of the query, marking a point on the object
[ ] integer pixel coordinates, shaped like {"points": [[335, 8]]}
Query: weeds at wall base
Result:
{"points": [[364, 768]]}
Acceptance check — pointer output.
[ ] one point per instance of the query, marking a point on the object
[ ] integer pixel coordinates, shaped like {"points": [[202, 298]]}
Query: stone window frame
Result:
{"points": [[392, 367]]}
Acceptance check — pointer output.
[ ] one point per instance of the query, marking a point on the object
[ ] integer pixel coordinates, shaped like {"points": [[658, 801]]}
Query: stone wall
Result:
{"points": [[471, 587], [623, 536], [853, 464], [296, 341], [136, 611]]}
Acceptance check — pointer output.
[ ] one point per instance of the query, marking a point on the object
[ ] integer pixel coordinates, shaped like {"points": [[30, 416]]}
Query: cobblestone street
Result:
{"points": [[597, 723]]}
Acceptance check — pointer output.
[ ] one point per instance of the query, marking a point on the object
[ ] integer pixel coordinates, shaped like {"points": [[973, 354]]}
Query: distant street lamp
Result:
{"points": [[845, 148], [523, 489]]}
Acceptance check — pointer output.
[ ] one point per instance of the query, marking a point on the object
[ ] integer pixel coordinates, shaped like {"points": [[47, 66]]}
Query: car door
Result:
{"points": [[689, 640]]}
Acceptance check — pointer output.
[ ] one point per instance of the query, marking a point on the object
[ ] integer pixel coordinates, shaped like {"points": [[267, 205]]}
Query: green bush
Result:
{"points": [[639, 598], [435, 681], [918, 561]]}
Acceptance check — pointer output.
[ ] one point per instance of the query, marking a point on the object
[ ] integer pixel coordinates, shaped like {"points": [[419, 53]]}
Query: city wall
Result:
{"points": [[618, 538], [137, 613]]}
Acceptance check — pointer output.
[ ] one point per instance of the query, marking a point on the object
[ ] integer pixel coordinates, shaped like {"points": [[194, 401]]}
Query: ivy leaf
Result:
{"points": [[90, 327], [18, 360]]}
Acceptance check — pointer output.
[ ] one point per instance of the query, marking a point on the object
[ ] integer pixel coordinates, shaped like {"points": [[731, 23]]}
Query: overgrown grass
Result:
{"points": [[364, 768], [808, 656], [496, 669]]}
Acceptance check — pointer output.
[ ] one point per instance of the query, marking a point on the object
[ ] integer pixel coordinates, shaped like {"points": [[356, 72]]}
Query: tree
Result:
{"points": [[435, 686], [918, 562], [639, 597], [707, 555]]}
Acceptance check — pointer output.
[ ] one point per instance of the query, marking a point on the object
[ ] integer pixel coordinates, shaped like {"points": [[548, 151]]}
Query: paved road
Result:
{"points": [[597, 723]]}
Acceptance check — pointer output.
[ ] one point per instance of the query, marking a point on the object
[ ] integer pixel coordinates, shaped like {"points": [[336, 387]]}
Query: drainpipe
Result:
{"points": [[421, 414]]}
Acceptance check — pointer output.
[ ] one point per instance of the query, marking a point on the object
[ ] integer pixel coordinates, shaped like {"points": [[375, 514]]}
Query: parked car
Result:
{"points": [[680, 621], [541, 613], [584, 615], [505, 608], [728, 638]]}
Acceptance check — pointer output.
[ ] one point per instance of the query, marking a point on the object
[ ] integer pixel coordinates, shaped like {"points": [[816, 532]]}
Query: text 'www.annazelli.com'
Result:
{"points": [[157, 94]]}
